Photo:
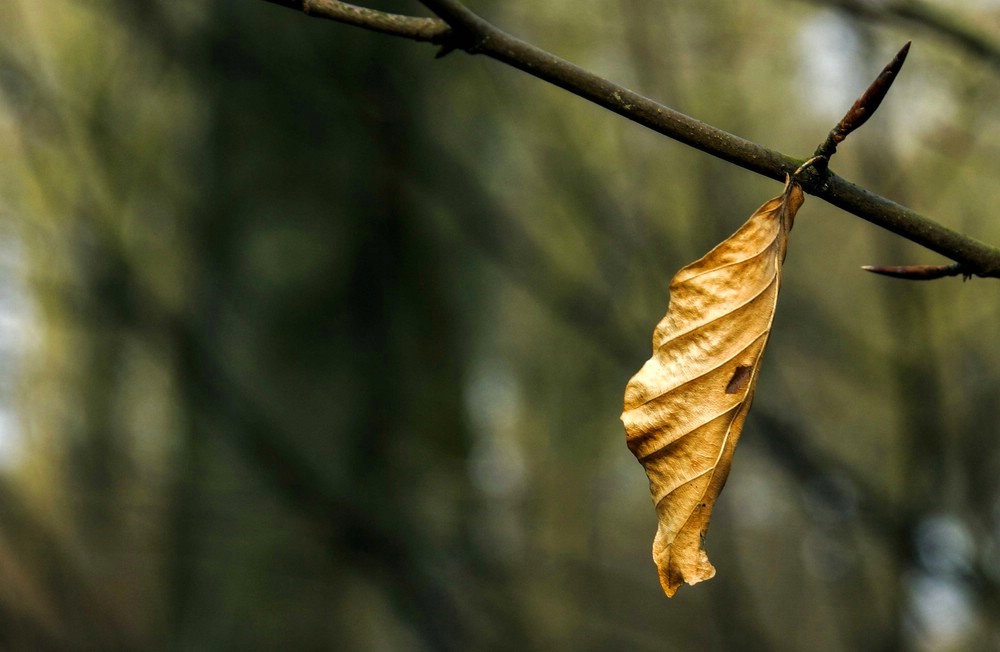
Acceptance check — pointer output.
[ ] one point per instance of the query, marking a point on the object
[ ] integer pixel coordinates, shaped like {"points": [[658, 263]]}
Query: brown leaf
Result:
{"points": [[685, 408]]}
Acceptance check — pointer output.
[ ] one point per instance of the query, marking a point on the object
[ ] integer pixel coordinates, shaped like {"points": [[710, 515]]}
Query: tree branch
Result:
{"points": [[460, 28]]}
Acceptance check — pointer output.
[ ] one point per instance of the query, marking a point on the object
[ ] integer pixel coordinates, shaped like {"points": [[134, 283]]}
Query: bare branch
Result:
{"points": [[480, 37], [473, 34], [431, 30]]}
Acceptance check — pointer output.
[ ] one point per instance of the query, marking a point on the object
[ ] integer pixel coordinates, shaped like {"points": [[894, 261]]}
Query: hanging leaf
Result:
{"points": [[685, 408]]}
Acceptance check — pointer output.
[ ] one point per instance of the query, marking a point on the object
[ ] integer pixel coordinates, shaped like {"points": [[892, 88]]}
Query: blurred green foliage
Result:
{"points": [[311, 341]]}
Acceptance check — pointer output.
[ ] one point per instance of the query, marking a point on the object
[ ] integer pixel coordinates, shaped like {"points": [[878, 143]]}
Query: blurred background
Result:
{"points": [[311, 341]]}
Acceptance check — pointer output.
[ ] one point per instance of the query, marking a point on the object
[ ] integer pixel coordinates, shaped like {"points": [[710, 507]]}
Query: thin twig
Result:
{"points": [[475, 35], [483, 38], [918, 272], [433, 30], [865, 106]]}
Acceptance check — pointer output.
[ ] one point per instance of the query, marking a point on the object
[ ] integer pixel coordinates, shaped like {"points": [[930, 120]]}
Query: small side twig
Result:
{"points": [[859, 113], [865, 106], [920, 272]]}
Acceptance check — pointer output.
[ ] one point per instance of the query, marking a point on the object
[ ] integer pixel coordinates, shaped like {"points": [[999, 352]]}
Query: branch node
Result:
{"points": [[469, 32], [461, 39], [819, 163], [813, 172]]}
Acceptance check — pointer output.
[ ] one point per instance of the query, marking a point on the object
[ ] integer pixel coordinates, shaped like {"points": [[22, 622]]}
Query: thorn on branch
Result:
{"points": [[921, 272], [865, 106]]}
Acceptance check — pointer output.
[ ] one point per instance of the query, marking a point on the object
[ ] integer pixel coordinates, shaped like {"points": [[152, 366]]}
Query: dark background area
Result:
{"points": [[311, 341]]}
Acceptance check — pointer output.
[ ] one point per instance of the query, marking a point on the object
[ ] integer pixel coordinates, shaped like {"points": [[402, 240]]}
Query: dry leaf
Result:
{"points": [[685, 408]]}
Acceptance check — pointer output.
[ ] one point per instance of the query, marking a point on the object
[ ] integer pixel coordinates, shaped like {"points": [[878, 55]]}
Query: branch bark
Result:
{"points": [[459, 28], [431, 30]]}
